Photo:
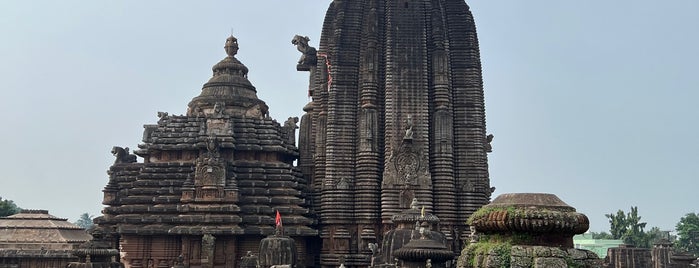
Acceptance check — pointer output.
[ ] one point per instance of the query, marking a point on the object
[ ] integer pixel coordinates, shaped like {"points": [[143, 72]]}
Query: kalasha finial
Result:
{"points": [[231, 46]]}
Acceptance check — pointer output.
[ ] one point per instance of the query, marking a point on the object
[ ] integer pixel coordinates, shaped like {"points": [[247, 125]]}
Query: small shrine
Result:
{"points": [[209, 182]]}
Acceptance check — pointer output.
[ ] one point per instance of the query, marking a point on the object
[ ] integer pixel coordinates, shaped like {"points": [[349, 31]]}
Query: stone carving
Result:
{"points": [[163, 115], [290, 129], [212, 147], [218, 110], [208, 244], [408, 128], [409, 166], [414, 204], [343, 184], [308, 57], [488, 140], [374, 248], [291, 122], [473, 237], [122, 155], [210, 172]]}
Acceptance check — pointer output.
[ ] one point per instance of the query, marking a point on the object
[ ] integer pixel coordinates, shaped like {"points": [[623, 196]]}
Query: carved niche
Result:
{"points": [[210, 177], [407, 166], [219, 123]]}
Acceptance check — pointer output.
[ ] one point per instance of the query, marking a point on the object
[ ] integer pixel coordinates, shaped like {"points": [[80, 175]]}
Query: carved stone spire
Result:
{"points": [[398, 113], [228, 92]]}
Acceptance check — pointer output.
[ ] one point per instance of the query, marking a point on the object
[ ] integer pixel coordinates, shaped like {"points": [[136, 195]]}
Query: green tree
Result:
{"points": [[688, 232], [617, 224], [8, 207], [85, 221], [628, 227], [601, 235], [635, 234]]}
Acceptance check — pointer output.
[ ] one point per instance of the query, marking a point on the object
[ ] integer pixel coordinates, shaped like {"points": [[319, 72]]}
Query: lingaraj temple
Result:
{"points": [[386, 167]]}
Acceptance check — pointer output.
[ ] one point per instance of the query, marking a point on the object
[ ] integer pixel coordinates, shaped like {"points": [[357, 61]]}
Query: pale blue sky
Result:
{"points": [[594, 100]]}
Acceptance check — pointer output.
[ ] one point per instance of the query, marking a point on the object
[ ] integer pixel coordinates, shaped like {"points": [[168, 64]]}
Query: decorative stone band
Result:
{"points": [[419, 254], [529, 220], [413, 215], [82, 252]]}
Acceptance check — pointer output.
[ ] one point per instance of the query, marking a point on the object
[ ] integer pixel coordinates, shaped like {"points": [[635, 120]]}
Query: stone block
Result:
{"points": [[521, 262], [550, 263], [541, 252]]}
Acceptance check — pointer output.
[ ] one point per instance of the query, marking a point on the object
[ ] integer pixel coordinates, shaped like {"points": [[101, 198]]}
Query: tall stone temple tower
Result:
{"points": [[397, 113], [392, 143]]}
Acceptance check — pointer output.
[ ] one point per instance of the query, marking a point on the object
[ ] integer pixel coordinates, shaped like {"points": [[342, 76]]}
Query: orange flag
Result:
{"points": [[278, 219]]}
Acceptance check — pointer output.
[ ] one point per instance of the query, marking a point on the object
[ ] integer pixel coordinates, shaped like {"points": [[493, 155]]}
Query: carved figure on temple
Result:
{"points": [[122, 155], [308, 57], [162, 115], [291, 122], [374, 247], [343, 184], [414, 204], [408, 128], [212, 147], [473, 238], [208, 242], [218, 110], [488, 139]]}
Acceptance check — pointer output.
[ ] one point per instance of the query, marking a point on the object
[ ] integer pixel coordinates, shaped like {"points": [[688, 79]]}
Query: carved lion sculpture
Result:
{"points": [[122, 155], [309, 53]]}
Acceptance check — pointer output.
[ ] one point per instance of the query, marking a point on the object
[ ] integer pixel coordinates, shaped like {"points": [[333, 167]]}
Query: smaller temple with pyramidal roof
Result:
{"points": [[210, 182]]}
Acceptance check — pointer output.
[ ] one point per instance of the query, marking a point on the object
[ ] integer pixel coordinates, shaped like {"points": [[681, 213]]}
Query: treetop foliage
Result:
{"points": [[8, 207]]}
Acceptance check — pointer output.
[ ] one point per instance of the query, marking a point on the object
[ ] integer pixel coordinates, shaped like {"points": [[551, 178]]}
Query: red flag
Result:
{"points": [[278, 219]]}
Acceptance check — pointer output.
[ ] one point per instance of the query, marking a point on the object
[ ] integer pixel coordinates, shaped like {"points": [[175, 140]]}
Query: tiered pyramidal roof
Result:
{"points": [[217, 174]]}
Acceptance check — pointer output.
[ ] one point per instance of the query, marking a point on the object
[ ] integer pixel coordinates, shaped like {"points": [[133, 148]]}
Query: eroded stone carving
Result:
{"points": [[308, 57], [122, 155], [290, 129], [488, 140], [208, 243], [408, 128]]}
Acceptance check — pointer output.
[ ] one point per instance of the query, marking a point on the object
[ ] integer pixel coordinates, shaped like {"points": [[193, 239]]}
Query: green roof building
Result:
{"points": [[599, 246]]}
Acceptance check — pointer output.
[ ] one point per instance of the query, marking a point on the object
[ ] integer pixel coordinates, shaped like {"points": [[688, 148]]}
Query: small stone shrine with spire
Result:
{"points": [[210, 181]]}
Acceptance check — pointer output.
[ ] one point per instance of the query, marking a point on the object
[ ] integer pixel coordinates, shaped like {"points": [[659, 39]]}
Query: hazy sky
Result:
{"points": [[593, 100]]}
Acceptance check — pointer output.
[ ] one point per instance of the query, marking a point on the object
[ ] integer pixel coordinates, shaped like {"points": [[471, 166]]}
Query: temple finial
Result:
{"points": [[231, 46]]}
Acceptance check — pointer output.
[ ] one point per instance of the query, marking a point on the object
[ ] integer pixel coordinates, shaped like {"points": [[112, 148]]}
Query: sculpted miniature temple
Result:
{"points": [[396, 115]]}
